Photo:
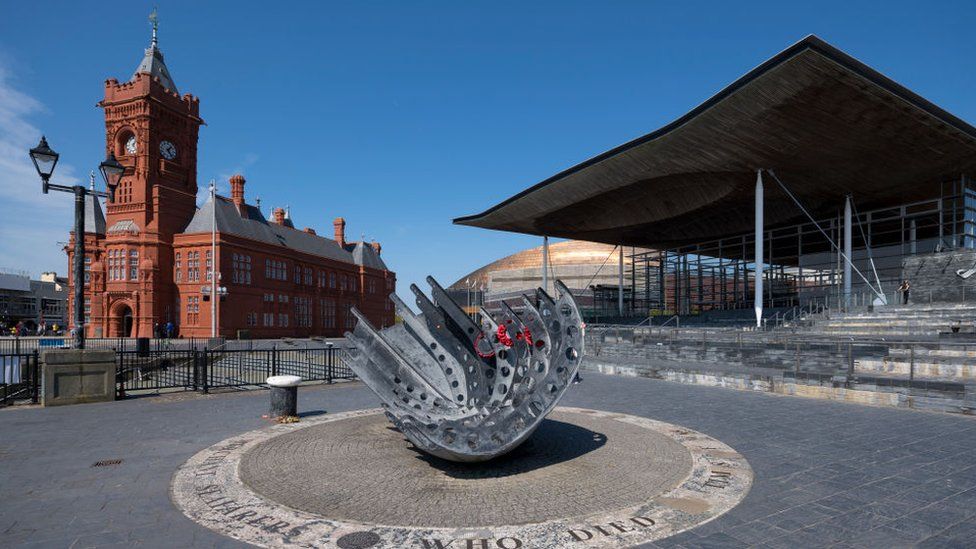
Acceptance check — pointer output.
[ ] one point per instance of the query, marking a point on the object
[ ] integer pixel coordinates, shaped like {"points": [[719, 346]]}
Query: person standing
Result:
{"points": [[904, 289]]}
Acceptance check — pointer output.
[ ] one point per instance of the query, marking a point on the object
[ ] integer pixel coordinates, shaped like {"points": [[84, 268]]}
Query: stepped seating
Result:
{"points": [[928, 320], [952, 363]]}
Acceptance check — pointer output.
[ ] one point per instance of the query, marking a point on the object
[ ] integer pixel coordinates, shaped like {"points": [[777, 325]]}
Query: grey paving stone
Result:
{"points": [[913, 529], [942, 542], [815, 462], [715, 541], [884, 536]]}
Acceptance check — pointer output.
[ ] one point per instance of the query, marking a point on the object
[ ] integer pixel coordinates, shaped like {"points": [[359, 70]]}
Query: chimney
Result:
{"points": [[237, 192], [377, 247], [278, 216], [340, 231], [310, 230]]}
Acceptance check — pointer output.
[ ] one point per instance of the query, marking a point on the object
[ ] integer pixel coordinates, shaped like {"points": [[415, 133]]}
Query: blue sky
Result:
{"points": [[407, 114]]}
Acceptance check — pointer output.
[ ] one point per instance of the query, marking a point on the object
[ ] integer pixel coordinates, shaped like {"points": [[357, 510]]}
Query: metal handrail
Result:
{"points": [[675, 318]]}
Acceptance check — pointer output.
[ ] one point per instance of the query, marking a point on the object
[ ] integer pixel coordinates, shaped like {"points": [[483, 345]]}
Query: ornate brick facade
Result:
{"points": [[147, 262]]}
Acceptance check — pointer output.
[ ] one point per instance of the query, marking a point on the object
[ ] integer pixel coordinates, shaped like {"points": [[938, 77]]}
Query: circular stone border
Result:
{"points": [[208, 489]]}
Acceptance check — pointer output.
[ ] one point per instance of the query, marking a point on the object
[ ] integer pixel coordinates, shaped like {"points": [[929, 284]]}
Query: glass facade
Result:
{"points": [[802, 264]]}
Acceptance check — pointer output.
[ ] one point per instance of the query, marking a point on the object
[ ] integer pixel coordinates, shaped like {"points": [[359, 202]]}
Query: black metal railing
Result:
{"points": [[20, 378], [14, 345], [154, 370]]}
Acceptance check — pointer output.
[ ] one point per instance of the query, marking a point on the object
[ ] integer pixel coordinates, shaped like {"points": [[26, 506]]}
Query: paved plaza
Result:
{"points": [[826, 473]]}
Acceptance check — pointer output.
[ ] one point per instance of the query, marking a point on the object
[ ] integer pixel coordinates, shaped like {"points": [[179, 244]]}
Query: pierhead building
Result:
{"points": [[149, 255]]}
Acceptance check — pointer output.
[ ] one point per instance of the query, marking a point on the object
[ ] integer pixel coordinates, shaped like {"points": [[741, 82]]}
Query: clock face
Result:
{"points": [[167, 149], [130, 145]]}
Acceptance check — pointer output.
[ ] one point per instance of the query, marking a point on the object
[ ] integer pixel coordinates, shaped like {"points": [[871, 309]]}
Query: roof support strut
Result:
{"points": [[846, 256], [758, 286]]}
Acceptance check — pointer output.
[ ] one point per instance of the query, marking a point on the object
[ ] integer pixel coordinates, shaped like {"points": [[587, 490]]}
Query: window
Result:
{"points": [[349, 321], [343, 283], [133, 264], [210, 268], [251, 319], [303, 312], [267, 269], [117, 264], [193, 266], [179, 269], [308, 276], [371, 284], [327, 311], [193, 309], [242, 269], [283, 320], [332, 280], [269, 319], [282, 298], [321, 279]]}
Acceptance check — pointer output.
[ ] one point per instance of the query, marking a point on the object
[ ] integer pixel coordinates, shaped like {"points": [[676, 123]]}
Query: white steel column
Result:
{"points": [[545, 263], [758, 285], [620, 280], [848, 258]]}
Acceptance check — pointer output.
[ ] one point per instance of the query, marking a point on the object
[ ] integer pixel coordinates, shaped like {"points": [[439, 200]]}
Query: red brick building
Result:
{"points": [[149, 255]]}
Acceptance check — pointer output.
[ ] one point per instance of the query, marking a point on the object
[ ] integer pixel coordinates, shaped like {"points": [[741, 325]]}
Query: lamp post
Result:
{"points": [[45, 159]]}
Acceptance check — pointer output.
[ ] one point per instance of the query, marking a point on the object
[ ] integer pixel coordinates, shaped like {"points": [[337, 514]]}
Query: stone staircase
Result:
{"points": [[905, 356], [924, 361], [905, 321]]}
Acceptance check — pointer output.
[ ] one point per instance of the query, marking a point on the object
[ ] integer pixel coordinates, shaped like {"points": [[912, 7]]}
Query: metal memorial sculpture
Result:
{"points": [[464, 392]]}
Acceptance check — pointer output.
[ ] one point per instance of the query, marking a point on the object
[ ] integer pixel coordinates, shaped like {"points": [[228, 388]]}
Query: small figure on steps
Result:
{"points": [[903, 290]]}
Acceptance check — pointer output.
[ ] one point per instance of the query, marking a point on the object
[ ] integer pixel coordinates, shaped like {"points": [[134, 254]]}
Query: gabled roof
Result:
{"points": [[255, 227], [827, 124]]}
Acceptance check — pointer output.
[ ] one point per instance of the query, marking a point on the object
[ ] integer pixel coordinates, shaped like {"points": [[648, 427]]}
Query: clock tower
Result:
{"points": [[152, 130]]}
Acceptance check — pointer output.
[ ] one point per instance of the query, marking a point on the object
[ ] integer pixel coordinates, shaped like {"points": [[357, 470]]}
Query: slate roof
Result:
{"points": [[255, 227], [94, 218], [365, 254], [153, 65]]}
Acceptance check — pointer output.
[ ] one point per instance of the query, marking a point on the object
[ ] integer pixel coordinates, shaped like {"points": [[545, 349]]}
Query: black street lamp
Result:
{"points": [[45, 159]]}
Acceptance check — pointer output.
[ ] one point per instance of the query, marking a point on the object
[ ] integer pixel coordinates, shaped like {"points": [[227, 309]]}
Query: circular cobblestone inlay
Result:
{"points": [[585, 478], [574, 464]]}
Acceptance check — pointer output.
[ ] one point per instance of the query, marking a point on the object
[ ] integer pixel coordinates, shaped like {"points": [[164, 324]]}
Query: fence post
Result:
{"points": [[36, 378], [274, 360], [330, 354], [206, 370], [195, 372], [120, 372]]}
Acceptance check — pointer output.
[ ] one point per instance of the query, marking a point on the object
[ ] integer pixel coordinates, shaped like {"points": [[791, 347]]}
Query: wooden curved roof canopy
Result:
{"points": [[824, 122]]}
